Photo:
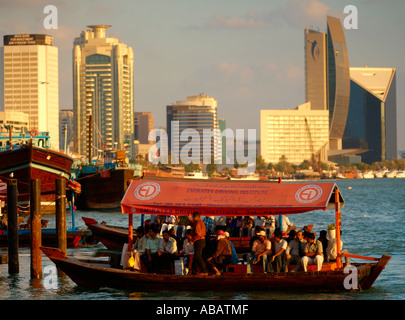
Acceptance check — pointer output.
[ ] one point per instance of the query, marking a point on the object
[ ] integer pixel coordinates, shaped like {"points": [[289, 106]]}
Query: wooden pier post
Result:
{"points": [[35, 217], [12, 217], [60, 206]]}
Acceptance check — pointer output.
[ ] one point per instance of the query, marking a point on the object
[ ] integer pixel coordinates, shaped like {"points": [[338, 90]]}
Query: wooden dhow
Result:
{"points": [[213, 198]]}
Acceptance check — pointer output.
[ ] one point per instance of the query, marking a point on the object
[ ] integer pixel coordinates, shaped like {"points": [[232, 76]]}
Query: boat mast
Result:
{"points": [[338, 224], [90, 137]]}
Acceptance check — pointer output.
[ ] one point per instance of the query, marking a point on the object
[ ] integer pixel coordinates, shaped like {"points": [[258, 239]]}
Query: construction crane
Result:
{"points": [[316, 165]]}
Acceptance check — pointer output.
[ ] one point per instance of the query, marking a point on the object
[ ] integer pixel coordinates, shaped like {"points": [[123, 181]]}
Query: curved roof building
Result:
{"points": [[338, 78], [327, 76]]}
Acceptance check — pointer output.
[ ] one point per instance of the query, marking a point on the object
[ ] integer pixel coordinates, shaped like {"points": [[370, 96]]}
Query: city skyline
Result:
{"points": [[248, 55]]}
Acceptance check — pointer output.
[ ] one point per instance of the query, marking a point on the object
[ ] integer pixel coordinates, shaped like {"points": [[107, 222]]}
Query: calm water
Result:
{"points": [[373, 223]]}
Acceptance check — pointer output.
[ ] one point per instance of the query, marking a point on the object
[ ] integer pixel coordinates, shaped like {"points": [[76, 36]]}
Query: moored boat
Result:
{"points": [[104, 184], [400, 174], [368, 175], [183, 198], [74, 238], [26, 161], [390, 174]]}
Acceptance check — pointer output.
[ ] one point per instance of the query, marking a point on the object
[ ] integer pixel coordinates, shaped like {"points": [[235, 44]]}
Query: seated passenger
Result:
{"points": [[324, 240], [313, 253], [331, 250], [150, 259], [139, 247], [260, 250], [183, 223], [234, 258], [286, 224], [166, 252], [169, 222], [295, 251], [277, 262], [222, 255], [269, 225]]}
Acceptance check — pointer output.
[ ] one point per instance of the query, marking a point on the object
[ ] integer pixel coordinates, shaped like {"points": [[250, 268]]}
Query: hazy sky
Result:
{"points": [[248, 54]]}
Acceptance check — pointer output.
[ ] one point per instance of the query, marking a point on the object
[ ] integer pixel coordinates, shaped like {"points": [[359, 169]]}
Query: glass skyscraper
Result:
{"points": [[327, 81], [198, 113], [103, 88], [371, 123]]}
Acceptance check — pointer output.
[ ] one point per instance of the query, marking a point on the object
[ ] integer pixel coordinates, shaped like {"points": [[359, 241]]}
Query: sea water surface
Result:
{"points": [[373, 223]]}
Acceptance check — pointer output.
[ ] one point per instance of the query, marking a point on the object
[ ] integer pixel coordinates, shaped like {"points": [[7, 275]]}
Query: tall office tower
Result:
{"points": [[372, 120], [143, 124], [103, 89], [316, 90], [299, 134], [198, 113], [66, 133], [29, 81], [327, 77]]}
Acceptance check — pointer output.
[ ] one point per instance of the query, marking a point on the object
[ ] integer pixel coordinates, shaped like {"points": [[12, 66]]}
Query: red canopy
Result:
{"points": [[174, 197]]}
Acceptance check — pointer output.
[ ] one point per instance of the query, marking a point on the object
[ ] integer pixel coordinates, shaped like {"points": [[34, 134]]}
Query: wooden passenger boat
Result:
{"points": [[114, 237], [74, 238], [213, 198]]}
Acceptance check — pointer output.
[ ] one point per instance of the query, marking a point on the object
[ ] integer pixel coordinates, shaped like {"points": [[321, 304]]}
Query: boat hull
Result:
{"points": [[94, 276], [49, 239], [104, 190], [28, 162]]}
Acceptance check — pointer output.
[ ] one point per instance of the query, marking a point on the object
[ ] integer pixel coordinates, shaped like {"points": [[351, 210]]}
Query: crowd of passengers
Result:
{"points": [[202, 244]]}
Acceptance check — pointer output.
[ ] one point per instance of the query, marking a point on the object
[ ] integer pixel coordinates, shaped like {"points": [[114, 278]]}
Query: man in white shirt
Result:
{"points": [[295, 251], [166, 252], [313, 253], [260, 250], [277, 262]]}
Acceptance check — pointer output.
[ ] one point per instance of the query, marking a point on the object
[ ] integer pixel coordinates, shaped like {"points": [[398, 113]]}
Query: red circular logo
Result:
{"points": [[147, 190], [308, 194]]}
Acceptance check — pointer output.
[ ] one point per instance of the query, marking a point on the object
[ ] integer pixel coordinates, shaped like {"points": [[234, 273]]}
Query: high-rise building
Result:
{"points": [[143, 124], [372, 120], [198, 113], [102, 89], [327, 80], [296, 134], [29, 81]]}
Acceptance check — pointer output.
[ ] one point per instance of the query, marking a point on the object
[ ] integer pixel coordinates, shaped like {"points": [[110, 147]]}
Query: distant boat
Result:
{"points": [[391, 174], [400, 174], [380, 173], [196, 175], [368, 175]]}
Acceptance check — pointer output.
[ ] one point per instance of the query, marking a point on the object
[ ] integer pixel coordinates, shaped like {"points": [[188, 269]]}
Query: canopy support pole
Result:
{"points": [[339, 263], [130, 232]]}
